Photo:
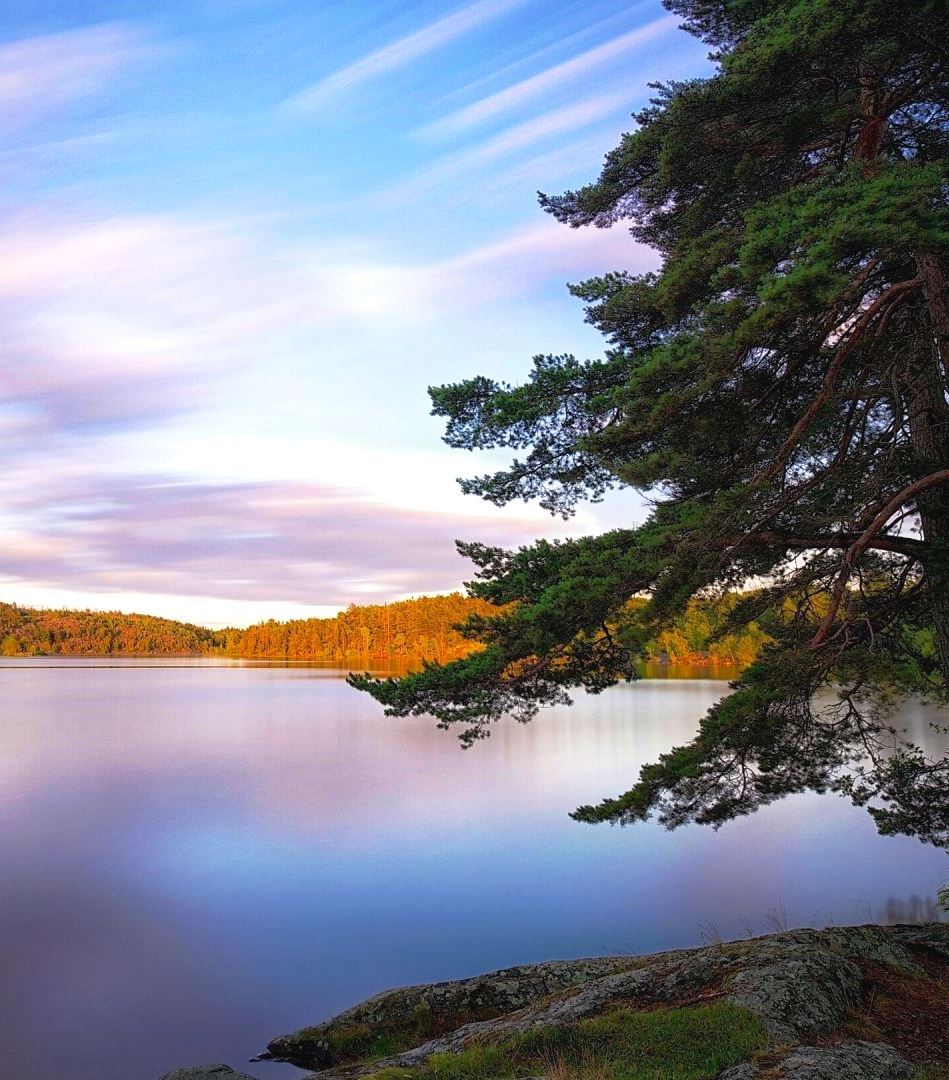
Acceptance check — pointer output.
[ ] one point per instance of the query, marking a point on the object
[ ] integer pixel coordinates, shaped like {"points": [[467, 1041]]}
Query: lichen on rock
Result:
{"points": [[844, 1061], [806, 991], [207, 1072], [423, 1012]]}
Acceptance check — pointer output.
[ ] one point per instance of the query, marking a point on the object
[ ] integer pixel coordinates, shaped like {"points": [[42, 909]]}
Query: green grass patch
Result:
{"points": [[689, 1043], [361, 1043]]}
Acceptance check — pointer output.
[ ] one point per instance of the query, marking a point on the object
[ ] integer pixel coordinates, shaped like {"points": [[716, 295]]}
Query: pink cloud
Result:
{"points": [[306, 543], [120, 321]]}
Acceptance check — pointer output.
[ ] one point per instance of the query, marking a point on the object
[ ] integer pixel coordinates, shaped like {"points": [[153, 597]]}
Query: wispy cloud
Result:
{"points": [[528, 133], [285, 542], [514, 264], [549, 168], [203, 318], [126, 323], [514, 96], [530, 61], [41, 74], [399, 53], [551, 249]]}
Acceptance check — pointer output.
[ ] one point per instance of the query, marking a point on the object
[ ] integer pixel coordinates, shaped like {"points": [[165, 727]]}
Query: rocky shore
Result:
{"points": [[845, 1003]]}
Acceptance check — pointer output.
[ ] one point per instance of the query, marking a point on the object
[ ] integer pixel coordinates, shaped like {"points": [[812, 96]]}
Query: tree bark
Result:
{"points": [[929, 430], [928, 405]]}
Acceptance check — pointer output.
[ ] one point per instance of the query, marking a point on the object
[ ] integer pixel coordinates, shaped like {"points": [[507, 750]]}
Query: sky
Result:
{"points": [[238, 241]]}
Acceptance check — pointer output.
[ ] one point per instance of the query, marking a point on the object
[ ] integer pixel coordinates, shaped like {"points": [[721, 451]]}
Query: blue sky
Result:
{"points": [[238, 240]]}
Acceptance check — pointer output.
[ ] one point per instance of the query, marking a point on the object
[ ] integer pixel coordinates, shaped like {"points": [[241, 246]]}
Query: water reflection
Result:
{"points": [[196, 857]]}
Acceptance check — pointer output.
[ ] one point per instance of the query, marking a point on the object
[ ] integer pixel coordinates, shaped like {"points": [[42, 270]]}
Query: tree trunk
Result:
{"points": [[929, 429]]}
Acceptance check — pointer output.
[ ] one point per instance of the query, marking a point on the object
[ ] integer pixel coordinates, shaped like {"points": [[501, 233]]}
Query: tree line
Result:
{"points": [[34, 632], [405, 632]]}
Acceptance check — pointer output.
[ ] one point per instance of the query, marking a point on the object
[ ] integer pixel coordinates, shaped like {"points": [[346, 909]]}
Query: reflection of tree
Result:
{"points": [[914, 910]]}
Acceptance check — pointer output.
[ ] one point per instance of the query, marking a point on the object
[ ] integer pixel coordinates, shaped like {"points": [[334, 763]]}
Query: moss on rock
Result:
{"points": [[801, 990]]}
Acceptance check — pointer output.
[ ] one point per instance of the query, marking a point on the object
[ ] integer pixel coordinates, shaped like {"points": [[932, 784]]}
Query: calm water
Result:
{"points": [[194, 858]]}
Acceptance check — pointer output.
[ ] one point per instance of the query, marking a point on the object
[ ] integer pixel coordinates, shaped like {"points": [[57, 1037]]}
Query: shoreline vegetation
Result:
{"points": [[405, 633]]}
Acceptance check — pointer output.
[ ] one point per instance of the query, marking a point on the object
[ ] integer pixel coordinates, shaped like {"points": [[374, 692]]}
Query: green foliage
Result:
{"points": [[780, 387], [359, 1042], [689, 1043]]}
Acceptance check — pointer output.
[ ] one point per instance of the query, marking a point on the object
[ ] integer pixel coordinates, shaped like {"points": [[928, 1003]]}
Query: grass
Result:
{"points": [[688, 1043], [363, 1044]]}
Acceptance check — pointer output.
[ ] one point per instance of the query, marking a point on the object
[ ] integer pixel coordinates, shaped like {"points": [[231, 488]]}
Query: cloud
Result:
{"points": [[108, 321], [399, 53], [41, 74], [551, 168], [539, 253], [124, 321], [514, 96], [131, 350], [527, 133], [296, 542], [518, 263]]}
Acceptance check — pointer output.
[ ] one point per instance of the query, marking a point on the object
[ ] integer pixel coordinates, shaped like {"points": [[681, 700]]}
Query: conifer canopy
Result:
{"points": [[780, 390]]}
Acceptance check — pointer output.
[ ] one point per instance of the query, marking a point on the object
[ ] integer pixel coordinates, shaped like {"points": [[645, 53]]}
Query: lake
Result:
{"points": [[196, 856]]}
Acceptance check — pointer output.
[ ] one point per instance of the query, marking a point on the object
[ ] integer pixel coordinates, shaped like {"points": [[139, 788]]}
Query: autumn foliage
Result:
{"points": [[30, 632], [402, 633]]}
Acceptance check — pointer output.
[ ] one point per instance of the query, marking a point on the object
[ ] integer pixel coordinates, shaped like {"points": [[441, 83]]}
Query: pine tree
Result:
{"points": [[779, 387]]}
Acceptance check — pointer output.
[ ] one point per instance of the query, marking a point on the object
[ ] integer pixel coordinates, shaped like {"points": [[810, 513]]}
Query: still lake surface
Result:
{"points": [[196, 856]]}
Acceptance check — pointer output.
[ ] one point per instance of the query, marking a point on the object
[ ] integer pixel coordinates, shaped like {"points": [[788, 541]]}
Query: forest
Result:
{"points": [[405, 632], [62, 632]]}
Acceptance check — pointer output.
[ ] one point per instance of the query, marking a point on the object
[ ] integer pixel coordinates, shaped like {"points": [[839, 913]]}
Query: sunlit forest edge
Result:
{"points": [[404, 632]]}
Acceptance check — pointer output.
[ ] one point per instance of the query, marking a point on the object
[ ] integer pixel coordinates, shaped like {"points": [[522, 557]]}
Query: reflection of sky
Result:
{"points": [[239, 240], [195, 859]]}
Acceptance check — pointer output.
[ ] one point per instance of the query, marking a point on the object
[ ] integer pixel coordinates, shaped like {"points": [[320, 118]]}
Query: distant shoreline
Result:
{"points": [[400, 636]]}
